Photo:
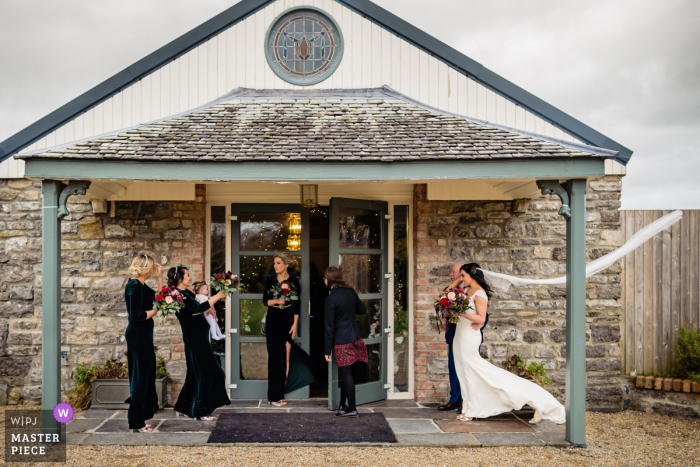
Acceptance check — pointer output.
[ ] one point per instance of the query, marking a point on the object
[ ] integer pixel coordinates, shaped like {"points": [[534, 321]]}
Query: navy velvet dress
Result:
{"points": [[205, 382], [141, 356]]}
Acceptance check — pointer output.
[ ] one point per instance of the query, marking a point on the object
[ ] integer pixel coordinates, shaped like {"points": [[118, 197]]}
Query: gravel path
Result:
{"points": [[621, 439]]}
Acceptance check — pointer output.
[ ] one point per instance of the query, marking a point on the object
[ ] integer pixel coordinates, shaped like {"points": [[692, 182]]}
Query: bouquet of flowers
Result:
{"points": [[168, 302], [226, 283], [284, 290], [451, 304]]}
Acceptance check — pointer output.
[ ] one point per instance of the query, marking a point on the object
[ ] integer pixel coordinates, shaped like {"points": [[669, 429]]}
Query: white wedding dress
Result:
{"points": [[488, 390]]}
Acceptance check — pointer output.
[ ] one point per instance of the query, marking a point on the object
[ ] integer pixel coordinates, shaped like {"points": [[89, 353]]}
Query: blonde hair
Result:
{"points": [[287, 259], [141, 265]]}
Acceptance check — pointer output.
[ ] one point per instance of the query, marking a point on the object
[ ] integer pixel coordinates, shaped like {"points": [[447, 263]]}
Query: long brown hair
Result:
{"points": [[334, 276]]}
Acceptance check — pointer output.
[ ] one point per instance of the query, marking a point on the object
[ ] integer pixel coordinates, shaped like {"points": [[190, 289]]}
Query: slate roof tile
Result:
{"points": [[316, 128]]}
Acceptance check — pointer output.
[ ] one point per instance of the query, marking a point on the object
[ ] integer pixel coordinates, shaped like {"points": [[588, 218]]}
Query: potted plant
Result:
{"points": [[107, 386]]}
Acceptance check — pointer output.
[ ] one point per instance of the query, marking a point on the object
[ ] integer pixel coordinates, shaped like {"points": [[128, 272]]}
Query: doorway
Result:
{"points": [[354, 232]]}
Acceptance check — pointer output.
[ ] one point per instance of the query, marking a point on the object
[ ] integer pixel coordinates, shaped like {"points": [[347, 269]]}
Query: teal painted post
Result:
{"points": [[51, 303], [576, 314]]}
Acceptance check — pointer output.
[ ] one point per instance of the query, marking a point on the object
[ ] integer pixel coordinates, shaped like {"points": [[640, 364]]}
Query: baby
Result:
{"points": [[202, 291]]}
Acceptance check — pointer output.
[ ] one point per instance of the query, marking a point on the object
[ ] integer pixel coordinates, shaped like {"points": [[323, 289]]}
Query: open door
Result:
{"points": [[257, 231], [358, 245]]}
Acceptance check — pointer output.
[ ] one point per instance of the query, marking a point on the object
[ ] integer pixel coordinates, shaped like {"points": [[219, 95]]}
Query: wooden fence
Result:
{"points": [[661, 290]]}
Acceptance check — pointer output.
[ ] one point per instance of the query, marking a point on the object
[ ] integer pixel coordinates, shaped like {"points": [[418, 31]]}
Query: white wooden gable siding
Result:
{"points": [[373, 57]]}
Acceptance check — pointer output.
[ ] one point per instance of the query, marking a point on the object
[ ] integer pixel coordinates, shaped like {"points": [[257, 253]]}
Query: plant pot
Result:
{"points": [[111, 393]]}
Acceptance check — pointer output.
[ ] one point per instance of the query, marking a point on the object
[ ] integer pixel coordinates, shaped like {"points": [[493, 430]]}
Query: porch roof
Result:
{"points": [[370, 125]]}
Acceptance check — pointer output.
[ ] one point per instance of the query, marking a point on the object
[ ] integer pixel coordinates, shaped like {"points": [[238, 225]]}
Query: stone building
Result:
{"points": [[373, 145]]}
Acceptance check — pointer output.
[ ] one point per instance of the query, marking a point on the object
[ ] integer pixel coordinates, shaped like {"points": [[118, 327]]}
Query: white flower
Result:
{"points": [[451, 296], [168, 299]]}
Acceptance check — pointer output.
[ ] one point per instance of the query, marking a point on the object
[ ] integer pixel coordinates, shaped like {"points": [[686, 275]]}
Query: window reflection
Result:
{"points": [[360, 228], [270, 231], [363, 272], [401, 331]]}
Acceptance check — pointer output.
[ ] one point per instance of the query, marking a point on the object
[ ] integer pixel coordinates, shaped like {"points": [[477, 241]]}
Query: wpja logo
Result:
{"points": [[37, 435]]}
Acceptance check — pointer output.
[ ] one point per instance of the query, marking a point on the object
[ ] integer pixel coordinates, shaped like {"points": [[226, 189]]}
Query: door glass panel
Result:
{"points": [[371, 322], [252, 314], [270, 231], [371, 371], [253, 360], [218, 239], [254, 271], [360, 228], [363, 272], [401, 331]]}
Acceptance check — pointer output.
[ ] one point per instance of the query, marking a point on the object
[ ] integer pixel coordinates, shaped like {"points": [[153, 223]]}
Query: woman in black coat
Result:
{"points": [[281, 327], [343, 335], [205, 381], [140, 354]]}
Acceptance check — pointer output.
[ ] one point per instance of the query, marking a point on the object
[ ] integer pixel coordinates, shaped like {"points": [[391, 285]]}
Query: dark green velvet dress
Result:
{"points": [[277, 326], [205, 382], [141, 356]]}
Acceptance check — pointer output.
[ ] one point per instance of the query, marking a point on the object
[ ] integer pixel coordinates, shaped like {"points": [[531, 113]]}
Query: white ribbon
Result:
{"points": [[504, 281]]}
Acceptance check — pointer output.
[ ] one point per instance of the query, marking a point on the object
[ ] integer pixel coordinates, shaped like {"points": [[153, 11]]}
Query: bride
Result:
{"points": [[486, 389]]}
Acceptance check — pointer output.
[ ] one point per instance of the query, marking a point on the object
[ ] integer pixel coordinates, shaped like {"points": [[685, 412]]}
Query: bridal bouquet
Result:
{"points": [[284, 290], [168, 302], [227, 283], [451, 304]]}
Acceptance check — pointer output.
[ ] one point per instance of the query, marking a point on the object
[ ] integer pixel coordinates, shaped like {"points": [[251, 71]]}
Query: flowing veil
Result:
{"points": [[504, 281]]}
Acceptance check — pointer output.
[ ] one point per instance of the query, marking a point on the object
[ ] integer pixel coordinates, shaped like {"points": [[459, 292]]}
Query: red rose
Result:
{"points": [[443, 301], [285, 292], [159, 297]]}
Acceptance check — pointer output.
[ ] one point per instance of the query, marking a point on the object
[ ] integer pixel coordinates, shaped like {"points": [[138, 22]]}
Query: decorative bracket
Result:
{"points": [[551, 187], [75, 187]]}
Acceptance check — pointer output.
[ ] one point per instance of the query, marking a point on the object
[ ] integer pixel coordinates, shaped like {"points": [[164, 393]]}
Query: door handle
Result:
{"points": [[233, 331], [387, 330]]}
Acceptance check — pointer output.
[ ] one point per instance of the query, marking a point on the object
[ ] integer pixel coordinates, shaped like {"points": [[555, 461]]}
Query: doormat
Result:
{"points": [[301, 428]]}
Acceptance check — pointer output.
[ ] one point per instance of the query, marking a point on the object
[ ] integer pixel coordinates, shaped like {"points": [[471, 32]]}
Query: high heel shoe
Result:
{"points": [[206, 418], [278, 403]]}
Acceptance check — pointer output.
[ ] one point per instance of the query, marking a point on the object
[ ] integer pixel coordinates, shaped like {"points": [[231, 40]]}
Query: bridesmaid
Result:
{"points": [[205, 382], [281, 327], [141, 356]]}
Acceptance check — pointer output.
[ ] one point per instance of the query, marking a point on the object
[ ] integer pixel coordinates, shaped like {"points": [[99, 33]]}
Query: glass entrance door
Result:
{"points": [[358, 245], [257, 231]]}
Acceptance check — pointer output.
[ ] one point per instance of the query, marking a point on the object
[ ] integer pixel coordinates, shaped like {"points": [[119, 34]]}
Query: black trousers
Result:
{"points": [[347, 388]]}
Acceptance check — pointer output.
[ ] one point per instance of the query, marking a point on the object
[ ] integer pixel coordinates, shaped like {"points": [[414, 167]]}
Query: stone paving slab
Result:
{"points": [[160, 415], [508, 439], [553, 439], [98, 413], [484, 426], [427, 414], [186, 425], [124, 439], [437, 439], [413, 426], [115, 426], [405, 403], [76, 438], [83, 424], [548, 426], [178, 439]]}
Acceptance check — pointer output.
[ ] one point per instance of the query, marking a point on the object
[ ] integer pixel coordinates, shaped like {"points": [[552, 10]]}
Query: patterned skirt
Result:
{"points": [[347, 354]]}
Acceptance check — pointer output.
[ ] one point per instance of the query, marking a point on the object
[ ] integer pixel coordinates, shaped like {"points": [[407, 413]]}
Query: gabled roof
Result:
{"points": [[365, 8], [317, 125]]}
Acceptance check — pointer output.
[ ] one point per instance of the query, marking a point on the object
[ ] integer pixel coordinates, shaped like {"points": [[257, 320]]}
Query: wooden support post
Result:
{"points": [[51, 304], [576, 314]]}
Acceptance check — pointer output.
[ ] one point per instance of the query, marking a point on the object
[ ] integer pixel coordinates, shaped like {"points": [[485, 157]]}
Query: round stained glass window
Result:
{"points": [[304, 46]]}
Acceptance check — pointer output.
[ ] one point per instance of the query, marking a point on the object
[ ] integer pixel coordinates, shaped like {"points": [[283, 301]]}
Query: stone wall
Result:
{"points": [[680, 402], [527, 321], [96, 251]]}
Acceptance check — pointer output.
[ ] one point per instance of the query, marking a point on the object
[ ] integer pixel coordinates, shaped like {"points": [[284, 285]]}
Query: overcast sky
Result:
{"points": [[628, 68]]}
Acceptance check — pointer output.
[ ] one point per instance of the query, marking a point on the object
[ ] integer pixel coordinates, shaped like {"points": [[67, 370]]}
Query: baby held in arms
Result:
{"points": [[202, 295]]}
